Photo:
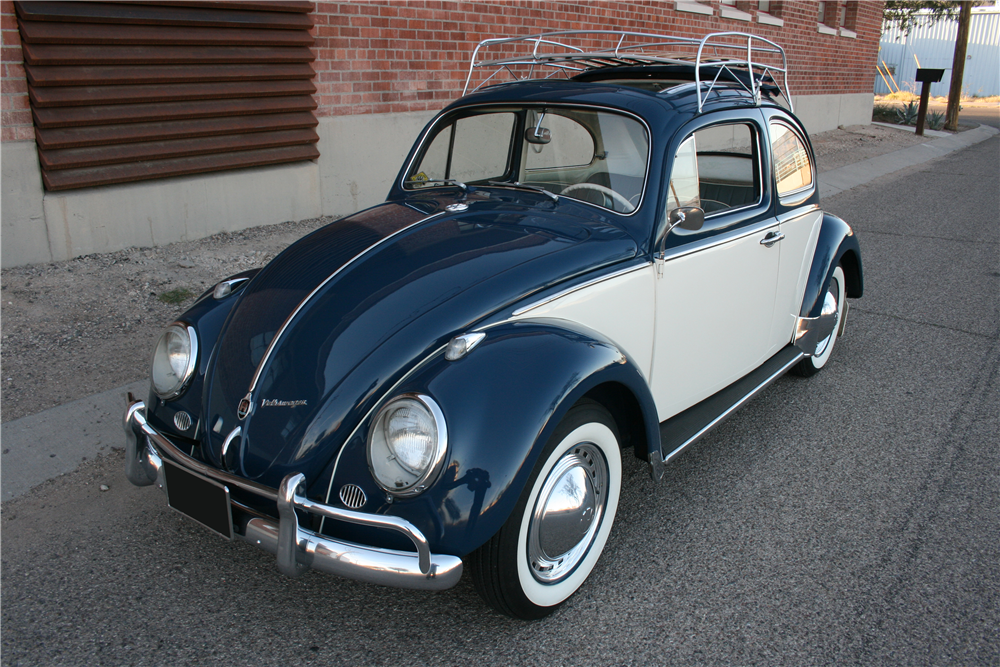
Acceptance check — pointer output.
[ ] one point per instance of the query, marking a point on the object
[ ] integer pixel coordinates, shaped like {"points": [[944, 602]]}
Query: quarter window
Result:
{"points": [[792, 169]]}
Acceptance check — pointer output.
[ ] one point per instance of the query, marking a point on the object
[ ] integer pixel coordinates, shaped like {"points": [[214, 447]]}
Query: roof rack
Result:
{"points": [[572, 52]]}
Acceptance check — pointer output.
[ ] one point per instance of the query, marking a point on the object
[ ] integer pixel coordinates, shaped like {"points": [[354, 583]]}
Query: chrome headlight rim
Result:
{"points": [[430, 475], [192, 363]]}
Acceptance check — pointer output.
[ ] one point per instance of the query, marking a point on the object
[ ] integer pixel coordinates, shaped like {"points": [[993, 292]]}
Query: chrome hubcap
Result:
{"points": [[830, 307], [567, 513]]}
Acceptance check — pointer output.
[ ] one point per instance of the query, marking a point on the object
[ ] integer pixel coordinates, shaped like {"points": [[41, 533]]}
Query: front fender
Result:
{"points": [[207, 316], [837, 245], [501, 403]]}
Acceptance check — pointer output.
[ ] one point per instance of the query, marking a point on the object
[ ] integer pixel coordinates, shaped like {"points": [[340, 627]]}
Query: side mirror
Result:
{"points": [[537, 135], [690, 218]]}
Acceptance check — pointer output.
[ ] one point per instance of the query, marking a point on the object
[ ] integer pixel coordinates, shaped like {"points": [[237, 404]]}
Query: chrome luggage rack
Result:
{"points": [[573, 52]]}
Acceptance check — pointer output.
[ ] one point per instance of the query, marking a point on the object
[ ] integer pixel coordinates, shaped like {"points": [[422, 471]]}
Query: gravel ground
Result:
{"points": [[75, 328]]}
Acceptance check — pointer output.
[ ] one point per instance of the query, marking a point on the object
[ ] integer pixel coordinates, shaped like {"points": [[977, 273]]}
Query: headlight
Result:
{"points": [[174, 360], [407, 444]]}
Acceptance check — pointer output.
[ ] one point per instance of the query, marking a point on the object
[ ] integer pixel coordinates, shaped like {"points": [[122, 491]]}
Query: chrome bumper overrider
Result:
{"points": [[297, 549]]}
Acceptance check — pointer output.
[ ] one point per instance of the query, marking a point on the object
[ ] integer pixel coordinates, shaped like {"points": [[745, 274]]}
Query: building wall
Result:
{"points": [[383, 70]]}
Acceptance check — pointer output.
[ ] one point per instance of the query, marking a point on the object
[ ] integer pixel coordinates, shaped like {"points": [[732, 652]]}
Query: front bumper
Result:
{"points": [[296, 548]]}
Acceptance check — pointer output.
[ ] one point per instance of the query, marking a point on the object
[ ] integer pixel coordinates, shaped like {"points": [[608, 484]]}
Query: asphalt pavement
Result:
{"points": [[846, 518]]}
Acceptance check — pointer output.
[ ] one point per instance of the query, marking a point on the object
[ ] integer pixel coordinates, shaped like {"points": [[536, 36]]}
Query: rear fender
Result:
{"points": [[837, 245]]}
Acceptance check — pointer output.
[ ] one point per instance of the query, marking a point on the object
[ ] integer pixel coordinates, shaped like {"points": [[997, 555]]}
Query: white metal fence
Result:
{"points": [[934, 46]]}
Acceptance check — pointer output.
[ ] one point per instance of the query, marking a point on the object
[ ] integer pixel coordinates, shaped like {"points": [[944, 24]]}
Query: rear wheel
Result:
{"points": [[833, 301], [553, 539]]}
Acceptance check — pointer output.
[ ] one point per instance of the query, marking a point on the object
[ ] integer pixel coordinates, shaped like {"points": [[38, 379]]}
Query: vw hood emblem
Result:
{"points": [[246, 405]]}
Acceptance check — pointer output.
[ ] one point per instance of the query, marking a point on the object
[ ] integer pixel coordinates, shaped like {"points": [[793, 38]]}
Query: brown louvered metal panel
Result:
{"points": [[67, 179], [57, 54], [103, 135], [131, 91], [138, 113], [64, 96], [39, 75], [46, 32], [76, 158], [279, 6], [129, 14]]}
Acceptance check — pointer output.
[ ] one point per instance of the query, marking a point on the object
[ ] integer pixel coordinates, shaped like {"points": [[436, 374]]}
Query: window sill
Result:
{"points": [[825, 29], [727, 12], [693, 8], [844, 32], [767, 19]]}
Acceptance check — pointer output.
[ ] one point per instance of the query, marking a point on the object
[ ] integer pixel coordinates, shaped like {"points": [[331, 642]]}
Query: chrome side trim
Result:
{"points": [[576, 288], [733, 408], [288, 320], [297, 549], [721, 239]]}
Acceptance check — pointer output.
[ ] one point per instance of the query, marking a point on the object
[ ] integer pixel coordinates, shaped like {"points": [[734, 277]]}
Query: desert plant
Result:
{"points": [[175, 297], [935, 120], [907, 115], [884, 113]]}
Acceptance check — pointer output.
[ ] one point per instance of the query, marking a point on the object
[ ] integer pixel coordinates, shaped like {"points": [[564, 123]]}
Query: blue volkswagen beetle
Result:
{"points": [[567, 269]]}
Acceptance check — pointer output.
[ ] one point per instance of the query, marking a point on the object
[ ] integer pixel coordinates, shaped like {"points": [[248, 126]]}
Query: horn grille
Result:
{"points": [[352, 496]]}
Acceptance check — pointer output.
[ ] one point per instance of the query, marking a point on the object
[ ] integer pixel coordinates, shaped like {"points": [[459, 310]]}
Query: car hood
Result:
{"points": [[331, 324]]}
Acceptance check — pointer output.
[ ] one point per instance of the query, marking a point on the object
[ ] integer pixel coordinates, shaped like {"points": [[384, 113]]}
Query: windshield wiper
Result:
{"points": [[525, 186], [446, 181]]}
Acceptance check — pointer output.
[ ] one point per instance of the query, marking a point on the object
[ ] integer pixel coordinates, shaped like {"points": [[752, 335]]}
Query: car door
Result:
{"points": [[715, 287]]}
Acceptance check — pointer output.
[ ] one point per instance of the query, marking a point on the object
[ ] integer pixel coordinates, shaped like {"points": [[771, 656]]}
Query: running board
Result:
{"points": [[691, 425]]}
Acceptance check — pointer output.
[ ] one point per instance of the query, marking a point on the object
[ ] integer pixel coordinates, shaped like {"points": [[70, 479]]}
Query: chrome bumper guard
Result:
{"points": [[296, 548]]}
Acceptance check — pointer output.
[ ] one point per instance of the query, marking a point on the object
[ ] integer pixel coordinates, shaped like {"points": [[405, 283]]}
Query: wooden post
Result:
{"points": [[926, 77], [958, 67], [925, 96]]}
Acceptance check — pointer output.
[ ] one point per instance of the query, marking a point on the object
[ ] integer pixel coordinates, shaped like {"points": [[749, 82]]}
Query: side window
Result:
{"points": [[792, 169], [474, 148], [716, 170], [571, 144]]}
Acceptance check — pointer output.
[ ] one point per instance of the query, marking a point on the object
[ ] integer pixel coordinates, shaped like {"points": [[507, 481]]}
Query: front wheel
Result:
{"points": [[553, 539], [832, 302]]}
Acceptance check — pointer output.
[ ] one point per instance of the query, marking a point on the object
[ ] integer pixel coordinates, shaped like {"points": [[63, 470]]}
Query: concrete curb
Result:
{"points": [[839, 180], [56, 441]]}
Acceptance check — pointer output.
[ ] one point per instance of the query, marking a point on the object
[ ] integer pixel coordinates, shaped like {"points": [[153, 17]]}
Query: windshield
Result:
{"points": [[598, 157]]}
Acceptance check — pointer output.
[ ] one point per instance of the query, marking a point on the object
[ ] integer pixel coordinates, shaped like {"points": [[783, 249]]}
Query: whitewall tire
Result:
{"points": [[554, 538]]}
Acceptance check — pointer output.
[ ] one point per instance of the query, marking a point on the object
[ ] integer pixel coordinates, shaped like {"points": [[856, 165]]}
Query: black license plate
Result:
{"points": [[199, 498]]}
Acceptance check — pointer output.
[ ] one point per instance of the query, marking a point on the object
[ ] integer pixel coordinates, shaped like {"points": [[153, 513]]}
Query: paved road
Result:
{"points": [[848, 518]]}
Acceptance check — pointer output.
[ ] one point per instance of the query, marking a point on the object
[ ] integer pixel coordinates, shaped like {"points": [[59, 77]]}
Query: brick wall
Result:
{"points": [[381, 57], [15, 116], [394, 56]]}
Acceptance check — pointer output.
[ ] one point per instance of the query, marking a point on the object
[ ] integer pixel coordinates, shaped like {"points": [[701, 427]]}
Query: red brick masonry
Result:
{"points": [[395, 56]]}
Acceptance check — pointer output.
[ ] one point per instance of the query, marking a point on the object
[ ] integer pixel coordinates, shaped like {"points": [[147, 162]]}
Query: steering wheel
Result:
{"points": [[626, 205]]}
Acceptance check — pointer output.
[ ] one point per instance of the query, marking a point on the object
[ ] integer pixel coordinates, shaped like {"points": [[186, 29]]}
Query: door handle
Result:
{"points": [[771, 239]]}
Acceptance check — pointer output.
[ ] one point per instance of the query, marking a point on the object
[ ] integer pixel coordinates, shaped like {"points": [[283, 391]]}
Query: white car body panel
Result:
{"points": [[714, 316], [801, 230], [619, 307]]}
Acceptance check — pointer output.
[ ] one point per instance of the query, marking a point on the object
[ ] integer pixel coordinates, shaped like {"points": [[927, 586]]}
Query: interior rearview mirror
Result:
{"points": [[690, 218], [537, 135]]}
